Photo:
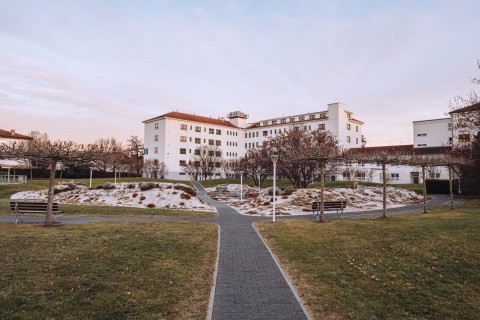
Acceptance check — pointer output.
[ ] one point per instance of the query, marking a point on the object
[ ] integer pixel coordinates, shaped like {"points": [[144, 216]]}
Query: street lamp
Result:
{"points": [[91, 170], [241, 185], [274, 159]]}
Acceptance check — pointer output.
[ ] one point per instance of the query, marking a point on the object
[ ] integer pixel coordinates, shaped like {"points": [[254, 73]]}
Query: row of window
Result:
{"points": [[199, 129], [266, 133], [293, 119], [183, 163]]}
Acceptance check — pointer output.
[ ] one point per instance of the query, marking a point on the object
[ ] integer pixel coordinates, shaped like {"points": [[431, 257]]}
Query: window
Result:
{"points": [[183, 163], [348, 139], [265, 133], [198, 140], [156, 126], [218, 142], [274, 121], [394, 176], [183, 127], [301, 118], [265, 123], [321, 126], [311, 117], [349, 115], [183, 139], [421, 135], [348, 163], [283, 121], [155, 150], [156, 137], [421, 145], [211, 131], [449, 127], [360, 175], [322, 115], [197, 152], [450, 140], [356, 140], [346, 175], [198, 129], [356, 128], [211, 153], [145, 150], [183, 151], [211, 142], [463, 138], [348, 126], [292, 119], [246, 135], [249, 134], [218, 153], [182, 173], [360, 164], [219, 132], [296, 128]]}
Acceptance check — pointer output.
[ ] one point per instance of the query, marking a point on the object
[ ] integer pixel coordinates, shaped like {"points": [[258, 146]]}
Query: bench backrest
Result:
{"points": [[330, 205], [32, 206]]}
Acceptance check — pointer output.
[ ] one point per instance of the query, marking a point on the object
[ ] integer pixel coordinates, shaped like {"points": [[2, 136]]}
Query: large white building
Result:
{"points": [[174, 137]]}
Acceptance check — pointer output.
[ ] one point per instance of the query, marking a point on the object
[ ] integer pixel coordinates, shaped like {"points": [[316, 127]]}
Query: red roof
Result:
{"points": [[407, 148], [473, 107], [194, 118], [4, 134]]}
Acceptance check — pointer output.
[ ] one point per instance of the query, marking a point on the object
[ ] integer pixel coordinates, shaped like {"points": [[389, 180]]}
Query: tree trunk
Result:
{"points": [[51, 186], [322, 190], [424, 191], [450, 182], [384, 178]]}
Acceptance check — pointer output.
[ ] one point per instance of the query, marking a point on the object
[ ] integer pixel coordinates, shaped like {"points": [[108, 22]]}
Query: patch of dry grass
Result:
{"points": [[135, 270], [422, 266]]}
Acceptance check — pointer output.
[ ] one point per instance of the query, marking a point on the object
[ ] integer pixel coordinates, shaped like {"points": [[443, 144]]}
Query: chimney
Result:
{"points": [[12, 132]]}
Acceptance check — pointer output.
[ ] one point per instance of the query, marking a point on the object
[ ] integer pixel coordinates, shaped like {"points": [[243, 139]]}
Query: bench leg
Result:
{"points": [[19, 216]]}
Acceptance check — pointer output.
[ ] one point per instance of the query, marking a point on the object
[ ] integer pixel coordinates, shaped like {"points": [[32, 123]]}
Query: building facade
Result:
{"points": [[173, 138]]}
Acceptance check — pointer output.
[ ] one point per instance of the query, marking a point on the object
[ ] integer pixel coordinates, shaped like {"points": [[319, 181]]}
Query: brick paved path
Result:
{"points": [[249, 283]]}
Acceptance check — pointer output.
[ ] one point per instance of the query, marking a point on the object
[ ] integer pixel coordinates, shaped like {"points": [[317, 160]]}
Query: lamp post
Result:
{"points": [[241, 186], [259, 181], [274, 159], [91, 170]]}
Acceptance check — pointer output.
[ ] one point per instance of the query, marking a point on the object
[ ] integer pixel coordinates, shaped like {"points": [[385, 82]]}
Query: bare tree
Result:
{"points": [[256, 164], [391, 155], [135, 150], [49, 154], [205, 163]]}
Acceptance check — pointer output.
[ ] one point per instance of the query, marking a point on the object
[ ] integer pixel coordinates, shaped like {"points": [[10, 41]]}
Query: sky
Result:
{"points": [[89, 69]]}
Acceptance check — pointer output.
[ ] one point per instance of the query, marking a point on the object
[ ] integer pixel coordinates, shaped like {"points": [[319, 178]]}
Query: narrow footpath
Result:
{"points": [[249, 284]]}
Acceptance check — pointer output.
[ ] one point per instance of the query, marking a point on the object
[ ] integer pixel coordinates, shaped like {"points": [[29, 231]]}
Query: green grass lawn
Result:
{"points": [[423, 266], [135, 270]]}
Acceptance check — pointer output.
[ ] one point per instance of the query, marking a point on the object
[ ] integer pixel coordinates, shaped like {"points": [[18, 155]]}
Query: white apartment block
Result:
{"points": [[432, 133], [172, 138]]}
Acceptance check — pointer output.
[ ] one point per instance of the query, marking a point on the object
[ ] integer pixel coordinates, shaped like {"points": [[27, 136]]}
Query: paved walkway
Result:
{"points": [[249, 284]]}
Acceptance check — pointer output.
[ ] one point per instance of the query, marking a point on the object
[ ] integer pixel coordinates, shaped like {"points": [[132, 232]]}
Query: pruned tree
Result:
{"points": [[49, 154], [391, 155], [113, 155]]}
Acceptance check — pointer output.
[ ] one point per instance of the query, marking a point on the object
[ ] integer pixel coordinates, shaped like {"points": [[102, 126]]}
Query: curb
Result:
{"points": [[212, 290]]}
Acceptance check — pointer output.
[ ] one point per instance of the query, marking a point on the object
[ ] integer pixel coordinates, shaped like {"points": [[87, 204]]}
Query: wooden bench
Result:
{"points": [[21, 207], [338, 206]]}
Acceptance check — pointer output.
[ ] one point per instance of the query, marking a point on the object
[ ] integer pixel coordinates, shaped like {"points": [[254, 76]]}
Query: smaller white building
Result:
{"points": [[432, 133]]}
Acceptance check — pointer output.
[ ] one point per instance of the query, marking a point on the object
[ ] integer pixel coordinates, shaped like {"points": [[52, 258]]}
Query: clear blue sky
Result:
{"points": [[88, 69]]}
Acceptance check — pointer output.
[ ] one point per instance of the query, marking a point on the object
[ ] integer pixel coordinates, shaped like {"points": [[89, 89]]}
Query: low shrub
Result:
{"points": [[182, 203], [131, 185], [142, 198], [109, 186], [151, 205], [270, 191], [144, 186], [134, 195], [186, 189], [185, 196]]}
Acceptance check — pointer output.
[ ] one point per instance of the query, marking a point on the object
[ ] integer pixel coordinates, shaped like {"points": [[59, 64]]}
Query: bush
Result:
{"points": [[144, 186], [150, 205], [185, 196], [435, 186], [134, 195], [131, 185], [186, 189], [109, 186], [99, 187], [270, 191], [142, 198]]}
